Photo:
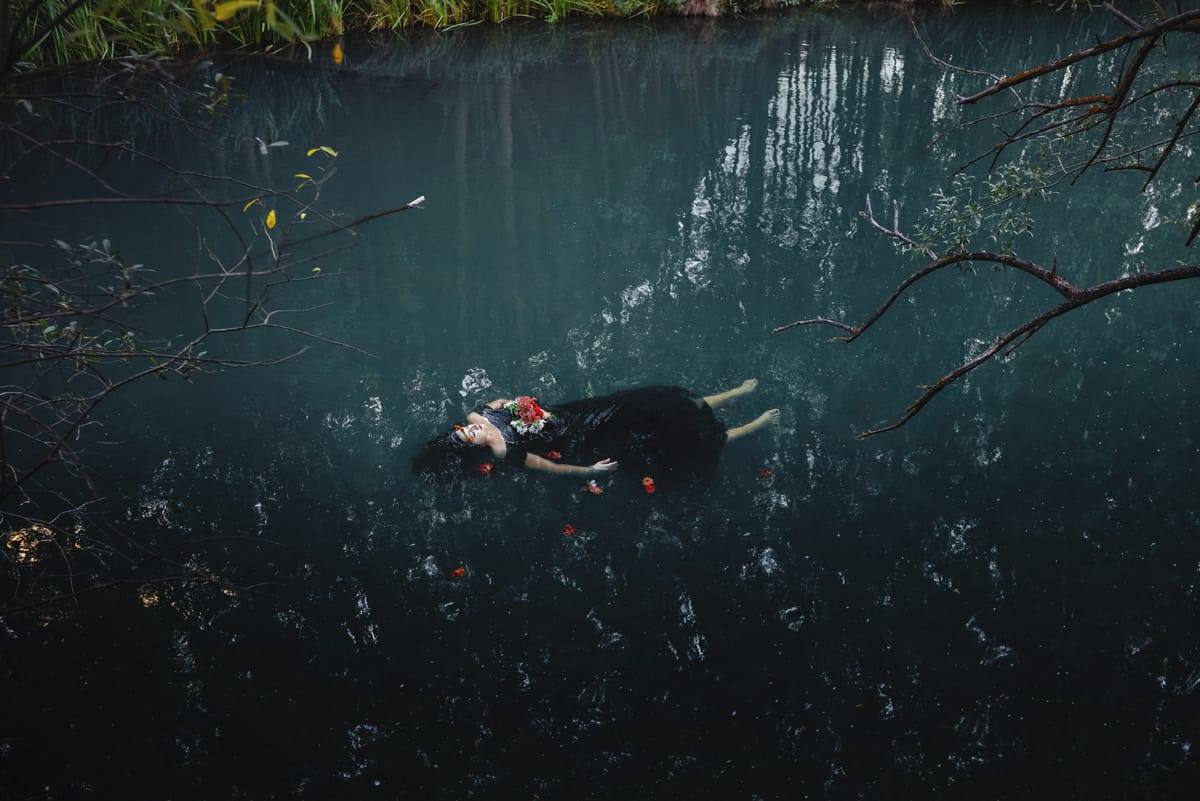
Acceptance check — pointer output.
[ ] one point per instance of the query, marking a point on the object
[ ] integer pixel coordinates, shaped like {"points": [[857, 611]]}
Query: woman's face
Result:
{"points": [[471, 434]]}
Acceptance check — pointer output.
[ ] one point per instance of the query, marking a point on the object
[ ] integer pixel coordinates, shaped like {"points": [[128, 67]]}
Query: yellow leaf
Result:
{"points": [[271, 218], [250, 203], [303, 214], [206, 20], [339, 55], [329, 150], [316, 269], [304, 175], [311, 150], [226, 10]]}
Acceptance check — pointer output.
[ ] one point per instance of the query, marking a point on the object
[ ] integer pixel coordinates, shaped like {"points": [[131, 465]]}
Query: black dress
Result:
{"points": [[665, 432]]}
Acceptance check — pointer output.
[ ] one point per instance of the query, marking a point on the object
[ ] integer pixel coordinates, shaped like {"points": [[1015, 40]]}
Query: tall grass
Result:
{"points": [[105, 29]]}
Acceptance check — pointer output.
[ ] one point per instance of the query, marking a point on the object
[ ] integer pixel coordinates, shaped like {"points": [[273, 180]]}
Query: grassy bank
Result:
{"points": [[59, 31]]}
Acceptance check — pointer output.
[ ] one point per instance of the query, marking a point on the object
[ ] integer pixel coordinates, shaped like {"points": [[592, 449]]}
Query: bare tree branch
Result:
{"points": [[1183, 21], [1027, 329]]}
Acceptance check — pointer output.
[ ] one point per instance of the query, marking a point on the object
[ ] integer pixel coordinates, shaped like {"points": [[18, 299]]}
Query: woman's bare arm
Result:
{"points": [[498, 403], [535, 462]]}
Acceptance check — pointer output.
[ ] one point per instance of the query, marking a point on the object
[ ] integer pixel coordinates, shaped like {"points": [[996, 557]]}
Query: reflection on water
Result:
{"points": [[993, 602]]}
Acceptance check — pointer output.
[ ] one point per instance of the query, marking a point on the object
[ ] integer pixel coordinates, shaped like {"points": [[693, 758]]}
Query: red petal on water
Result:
{"points": [[568, 530], [486, 468], [553, 455], [458, 572], [765, 472]]}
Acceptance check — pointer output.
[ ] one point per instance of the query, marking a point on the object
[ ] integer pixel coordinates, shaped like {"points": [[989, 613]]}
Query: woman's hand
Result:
{"points": [[535, 462]]}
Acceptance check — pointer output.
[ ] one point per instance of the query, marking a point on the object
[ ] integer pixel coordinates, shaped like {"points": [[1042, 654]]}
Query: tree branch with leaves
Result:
{"points": [[81, 323], [1052, 141]]}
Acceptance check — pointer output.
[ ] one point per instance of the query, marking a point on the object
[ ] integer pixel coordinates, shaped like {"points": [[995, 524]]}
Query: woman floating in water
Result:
{"points": [[667, 432]]}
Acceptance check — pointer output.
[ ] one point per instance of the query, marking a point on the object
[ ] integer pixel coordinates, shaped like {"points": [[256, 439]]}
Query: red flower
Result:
{"points": [[648, 485], [458, 572], [528, 410], [764, 473], [486, 468], [568, 530], [593, 488], [553, 456]]}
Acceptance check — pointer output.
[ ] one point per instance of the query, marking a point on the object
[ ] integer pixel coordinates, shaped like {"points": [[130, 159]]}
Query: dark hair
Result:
{"points": [[448, 458]]}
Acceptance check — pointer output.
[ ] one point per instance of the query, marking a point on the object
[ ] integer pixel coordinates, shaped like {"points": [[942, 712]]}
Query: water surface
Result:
{"points": [[996, 601]]}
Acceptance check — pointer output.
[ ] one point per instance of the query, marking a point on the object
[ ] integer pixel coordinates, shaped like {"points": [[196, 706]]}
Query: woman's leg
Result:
{"points": [[745, 388], [768, 418]]}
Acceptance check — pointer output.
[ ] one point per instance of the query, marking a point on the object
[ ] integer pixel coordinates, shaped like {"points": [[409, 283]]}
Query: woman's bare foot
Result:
{"points": [[747, 386], [768, 418], [744, 388]]}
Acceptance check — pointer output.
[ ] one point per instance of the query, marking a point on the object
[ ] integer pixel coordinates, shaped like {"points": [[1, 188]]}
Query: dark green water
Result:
{"points": [[997, 601]]}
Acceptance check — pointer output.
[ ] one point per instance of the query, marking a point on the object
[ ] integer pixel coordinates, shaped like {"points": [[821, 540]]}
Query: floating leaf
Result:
{"points": [[226, 10], [339, 55], [304, 175], [250, 203], [271, 218], [316, 269], [303, 214]]}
